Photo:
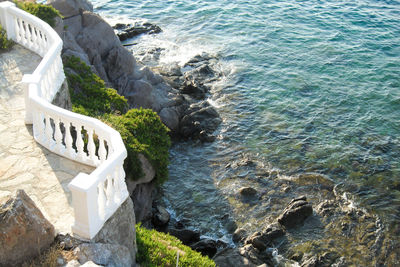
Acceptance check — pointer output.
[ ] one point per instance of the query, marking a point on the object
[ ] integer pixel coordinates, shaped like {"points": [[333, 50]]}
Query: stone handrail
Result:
{"points": [[95, 197]]}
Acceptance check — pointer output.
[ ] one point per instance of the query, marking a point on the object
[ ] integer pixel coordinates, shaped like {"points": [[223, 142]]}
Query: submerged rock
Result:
{"points": [[207, 247], [296, 212], [185, 235], [231, 257], [263, 239], [160, 216], [247, 191], [239, 235]]}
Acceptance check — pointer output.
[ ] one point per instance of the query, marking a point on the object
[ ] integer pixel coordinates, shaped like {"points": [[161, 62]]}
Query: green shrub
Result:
{"points": [[89, 94], [4, 42], [141, 129], [44, 12], [143, 132], [159, 249]]}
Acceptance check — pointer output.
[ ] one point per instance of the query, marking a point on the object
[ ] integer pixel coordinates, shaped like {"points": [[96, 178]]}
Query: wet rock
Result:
{"points": [[229, 223], [327, 259], [263, 239], [207, 247], [221, 244], [247, 191], [126, 31], [160, 216], [315, 179], [239, 235], [326, 208], [296, 212], [194, 88], [231, 257], [253, 254], [199, 117], [25, 232], [185, 235]]}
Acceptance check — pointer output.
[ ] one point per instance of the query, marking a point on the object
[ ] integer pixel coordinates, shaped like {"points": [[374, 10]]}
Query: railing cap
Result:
{"points": [[6, 4]]}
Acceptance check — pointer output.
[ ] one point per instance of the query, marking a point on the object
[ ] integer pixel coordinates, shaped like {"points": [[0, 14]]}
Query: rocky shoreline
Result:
{"points": [[179, 95]]}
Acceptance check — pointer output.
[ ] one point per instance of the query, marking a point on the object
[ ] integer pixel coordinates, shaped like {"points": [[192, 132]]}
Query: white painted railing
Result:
{"points": [[95, 197]]}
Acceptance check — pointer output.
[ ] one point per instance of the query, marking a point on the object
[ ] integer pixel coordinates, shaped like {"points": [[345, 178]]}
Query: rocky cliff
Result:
{"points": [[87, 36]]}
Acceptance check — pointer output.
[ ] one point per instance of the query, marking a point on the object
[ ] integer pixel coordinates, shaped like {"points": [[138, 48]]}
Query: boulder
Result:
{"points": [[142, 197], [126, 31], [104, 254], [170, 117], [207, 247], [296, 212], [25, 232], [198, 117], [119, 62], [247, 191], [69, 8], [263, 239], [231, 257], [119, 230], [185, 235], [96, 37], [239, 235], [161, 216]]}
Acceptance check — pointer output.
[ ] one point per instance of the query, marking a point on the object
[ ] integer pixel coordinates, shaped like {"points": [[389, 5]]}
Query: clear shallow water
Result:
{"points": [[309, 86]]}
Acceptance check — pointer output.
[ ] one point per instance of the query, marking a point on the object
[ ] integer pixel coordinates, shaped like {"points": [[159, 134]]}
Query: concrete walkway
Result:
{"points": [[24, 164]]}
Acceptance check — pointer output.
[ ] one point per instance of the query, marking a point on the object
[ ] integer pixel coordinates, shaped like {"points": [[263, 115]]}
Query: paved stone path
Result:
{"points": [[24, 164]]}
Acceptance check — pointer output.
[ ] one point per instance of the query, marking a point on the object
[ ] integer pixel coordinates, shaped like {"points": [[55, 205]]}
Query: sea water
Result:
{"points": [[307, 86]]}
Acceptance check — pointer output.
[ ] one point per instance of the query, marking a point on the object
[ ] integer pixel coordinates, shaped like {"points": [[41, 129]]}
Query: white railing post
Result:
{"points": [[86, 208], [7, 20], [33, 84]]}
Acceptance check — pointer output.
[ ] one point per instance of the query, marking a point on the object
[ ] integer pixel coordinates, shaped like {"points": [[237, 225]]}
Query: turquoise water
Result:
{"points": [[308, 86]]}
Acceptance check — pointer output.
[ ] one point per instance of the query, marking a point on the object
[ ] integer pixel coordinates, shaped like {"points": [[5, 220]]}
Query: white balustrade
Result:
{"points": [[95, 196]]}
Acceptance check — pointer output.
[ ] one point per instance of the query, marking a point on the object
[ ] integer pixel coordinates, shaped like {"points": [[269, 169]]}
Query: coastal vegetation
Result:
{"points": [[141, 129], [160, 249], [4, 42], [46, 13]]}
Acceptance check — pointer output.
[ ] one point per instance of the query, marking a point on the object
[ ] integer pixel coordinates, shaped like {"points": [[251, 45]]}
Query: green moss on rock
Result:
{"points": [[159, 249]]}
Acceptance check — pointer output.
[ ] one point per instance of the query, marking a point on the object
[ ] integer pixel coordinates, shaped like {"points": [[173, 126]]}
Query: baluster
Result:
{"points": [[101, 201], [18, 30], [68, 139], [23, 32], [41, 127], [121, 181], [110, 191], [34, 39], [91, 146], [117, 187], [49, 131], [36, 124], [57, 134], [28, 35], [79, 142], [102, 150]]}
